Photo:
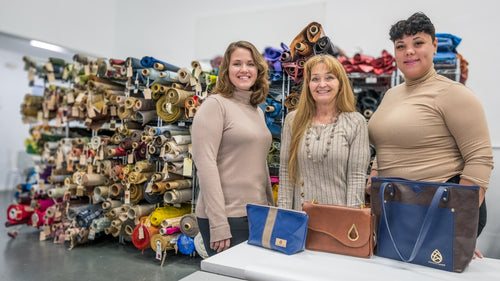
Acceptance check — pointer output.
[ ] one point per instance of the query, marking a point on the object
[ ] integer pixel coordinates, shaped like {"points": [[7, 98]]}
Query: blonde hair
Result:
{"points": [[306, 108], [260, 89]]}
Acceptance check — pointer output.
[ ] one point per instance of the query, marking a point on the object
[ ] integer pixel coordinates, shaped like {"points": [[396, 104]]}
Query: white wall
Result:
{"points": [[171, 31]]}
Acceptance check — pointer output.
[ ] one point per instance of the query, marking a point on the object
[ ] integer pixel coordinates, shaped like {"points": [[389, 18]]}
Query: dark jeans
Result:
{"points": [[482, 208], [239, 231]]}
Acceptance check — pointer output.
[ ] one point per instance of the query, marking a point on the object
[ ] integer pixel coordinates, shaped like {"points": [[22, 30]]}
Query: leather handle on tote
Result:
{"points": [[429, 216]]}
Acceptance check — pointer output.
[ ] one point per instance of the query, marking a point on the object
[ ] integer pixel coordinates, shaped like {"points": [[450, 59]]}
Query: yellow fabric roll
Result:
{"points": [[168, 212], [165, 241], [162, 110], [178, 97]]}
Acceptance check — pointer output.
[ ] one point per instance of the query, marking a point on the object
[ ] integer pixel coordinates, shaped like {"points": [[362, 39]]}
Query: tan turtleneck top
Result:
{"points": [[230, 143], [431, 129]]}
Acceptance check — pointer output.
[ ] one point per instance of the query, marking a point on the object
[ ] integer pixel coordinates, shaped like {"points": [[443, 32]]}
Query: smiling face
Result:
{"points": [[242, 69], [323, 85], [414, 54]]}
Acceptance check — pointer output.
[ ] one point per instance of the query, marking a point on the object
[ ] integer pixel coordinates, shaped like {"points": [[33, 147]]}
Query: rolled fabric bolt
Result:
{"points": [[168, 77], [42, 205], [139, 177], [159, 177], [109, 92], [115, 170], [115, 231], [167, 212], [102, 191], [144, 104], [127, 228], [184, 75], [189, 225], [141, 236], [116, 189], [97, 198], [51, 145], [124, 208], [159, 187], [57, 192], [116, 152], [71, 231], [123, 112], [144, 166], [172, 147], [108, 230], [116, 223], [147, 139], [165, 130], [120, 100], [94, 179], [115, 212], [177, 196], [123, 216], [170, 157], [136, 194], [74, 210], [95, 142], [110, 204], [179, 184], [129, 102], [167, 242], [99, 224], [182, 139], [140, 211], [269, 108], [160, 140], [36, 219], [175, 167], [178, 97], [172, 222], [169, 230], [19, 212]]}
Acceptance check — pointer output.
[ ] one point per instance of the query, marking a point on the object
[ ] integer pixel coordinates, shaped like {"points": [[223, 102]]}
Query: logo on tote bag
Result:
{"points": [[436, 258]]}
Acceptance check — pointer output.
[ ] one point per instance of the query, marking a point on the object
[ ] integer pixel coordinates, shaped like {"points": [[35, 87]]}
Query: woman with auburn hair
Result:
{"points": [[230, 143], [324, 147]]}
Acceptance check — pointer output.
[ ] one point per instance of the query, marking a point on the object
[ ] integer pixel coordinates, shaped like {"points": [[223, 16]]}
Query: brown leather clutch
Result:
{"points": [[339, 229]]}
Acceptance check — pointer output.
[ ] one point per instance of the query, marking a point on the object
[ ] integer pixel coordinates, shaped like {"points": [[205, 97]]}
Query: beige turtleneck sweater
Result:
{"points": [[230, 143], [431, 129]]}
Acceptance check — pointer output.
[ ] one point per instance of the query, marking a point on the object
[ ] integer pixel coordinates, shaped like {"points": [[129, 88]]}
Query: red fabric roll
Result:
{"points": [[148, 232]]}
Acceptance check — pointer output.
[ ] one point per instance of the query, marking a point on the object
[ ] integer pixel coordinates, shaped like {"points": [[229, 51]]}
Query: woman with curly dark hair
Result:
{"points": [[230, 143], [430, 128]]}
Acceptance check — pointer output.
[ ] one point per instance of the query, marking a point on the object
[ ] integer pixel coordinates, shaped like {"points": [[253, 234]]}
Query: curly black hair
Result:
{"points": [[418, 22]]}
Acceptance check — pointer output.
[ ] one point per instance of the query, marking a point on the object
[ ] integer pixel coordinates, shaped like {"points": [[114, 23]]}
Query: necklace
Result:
{"points": [[321, 127]]}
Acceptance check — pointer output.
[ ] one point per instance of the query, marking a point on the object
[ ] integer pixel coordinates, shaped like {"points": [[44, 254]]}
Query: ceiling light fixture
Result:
{"points": [[47, 46]]}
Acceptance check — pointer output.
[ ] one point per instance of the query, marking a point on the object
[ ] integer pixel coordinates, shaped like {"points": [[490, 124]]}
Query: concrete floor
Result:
{"points": [[27, 258]]}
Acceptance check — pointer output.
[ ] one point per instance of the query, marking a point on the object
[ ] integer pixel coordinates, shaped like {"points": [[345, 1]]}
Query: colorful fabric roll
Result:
{"points": [[189, 225], [85, 217], [150, 62], [185, 244], [166, 212]]}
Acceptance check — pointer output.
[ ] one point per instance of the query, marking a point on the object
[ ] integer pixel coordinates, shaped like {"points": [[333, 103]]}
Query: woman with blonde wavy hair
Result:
{"points": [[230, 143], [324, 145]]}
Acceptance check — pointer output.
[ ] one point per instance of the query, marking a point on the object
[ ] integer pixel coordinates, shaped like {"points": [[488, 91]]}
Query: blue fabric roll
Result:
{"points": [[85, 217], [453, 40], [445, 58], [185, 244], [150, 62]]}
